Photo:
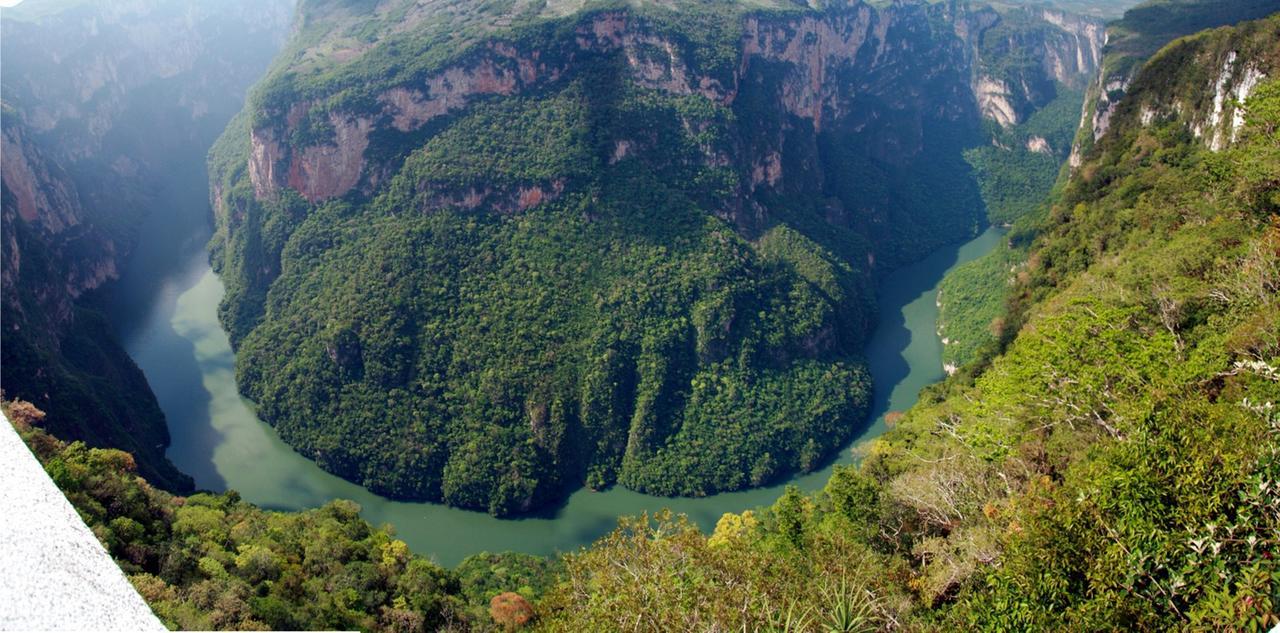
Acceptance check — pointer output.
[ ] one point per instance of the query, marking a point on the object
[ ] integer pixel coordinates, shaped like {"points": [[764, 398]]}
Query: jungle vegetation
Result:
{"points": [[1114, 465], [645, 322], [1111, 460]]}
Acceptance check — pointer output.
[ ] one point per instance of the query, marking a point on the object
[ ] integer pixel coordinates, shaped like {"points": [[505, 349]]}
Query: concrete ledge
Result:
{"points": [[56, 575]]}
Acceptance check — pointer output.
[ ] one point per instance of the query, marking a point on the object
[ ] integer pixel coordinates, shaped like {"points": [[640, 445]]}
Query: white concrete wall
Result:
{"points": [[54, 574]]}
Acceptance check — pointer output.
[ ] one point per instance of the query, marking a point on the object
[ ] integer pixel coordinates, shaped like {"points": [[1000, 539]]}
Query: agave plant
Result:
{"points": [[791, 621], [851, 609]]}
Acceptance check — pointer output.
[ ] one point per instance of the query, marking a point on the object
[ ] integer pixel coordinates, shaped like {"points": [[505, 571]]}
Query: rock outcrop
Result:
{"points": [[1141, 34], [1066, 49], [1235, 82], [816, 51]]}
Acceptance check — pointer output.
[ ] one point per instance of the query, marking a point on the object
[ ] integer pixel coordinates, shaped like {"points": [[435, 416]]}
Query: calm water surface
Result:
{"points": [[166, 313]]}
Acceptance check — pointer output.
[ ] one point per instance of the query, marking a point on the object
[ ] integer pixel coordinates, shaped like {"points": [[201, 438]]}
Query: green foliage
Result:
{"points": [[1147, 28], [1164, 526], [1017, 171], [971, 317], [484, 575], [1113, 467], [540, 295], [1150, 25], [1013, 181], [580, 278], [83, 379], [509, 142], [344, 51], [214, 562], [83, 186], [664, 570]]}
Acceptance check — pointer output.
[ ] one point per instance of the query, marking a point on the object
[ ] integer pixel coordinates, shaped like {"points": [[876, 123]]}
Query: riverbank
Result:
{"points": [[181, 347]]}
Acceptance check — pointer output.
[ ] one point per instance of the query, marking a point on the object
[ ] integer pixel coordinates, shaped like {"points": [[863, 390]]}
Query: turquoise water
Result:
{"points": [[167, 316]]}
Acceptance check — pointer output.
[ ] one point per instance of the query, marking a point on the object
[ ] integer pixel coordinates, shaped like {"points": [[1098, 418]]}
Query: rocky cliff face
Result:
{"points": [[1143, 31], [817, 49], [82, 66], [1052, 47], [1076, 51], [100, 100], [1219, 124], [42, 197], [79, 80]]}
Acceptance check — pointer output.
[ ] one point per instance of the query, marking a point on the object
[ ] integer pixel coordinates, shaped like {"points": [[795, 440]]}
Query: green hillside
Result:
{"points": [[1016, 180], [214, 562], [485, 255], [1113, 468], [1109, 461]]}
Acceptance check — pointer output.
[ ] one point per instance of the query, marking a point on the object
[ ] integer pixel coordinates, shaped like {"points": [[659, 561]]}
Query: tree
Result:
{"points": [[510, 611]]}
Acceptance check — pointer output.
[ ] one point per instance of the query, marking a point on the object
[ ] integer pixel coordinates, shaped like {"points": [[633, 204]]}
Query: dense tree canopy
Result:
{"points": [[588, 280], [214, 562], [1114, 467]]}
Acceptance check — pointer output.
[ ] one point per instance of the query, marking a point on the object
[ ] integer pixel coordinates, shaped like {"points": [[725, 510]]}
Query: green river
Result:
{"points": [[166, 312]]}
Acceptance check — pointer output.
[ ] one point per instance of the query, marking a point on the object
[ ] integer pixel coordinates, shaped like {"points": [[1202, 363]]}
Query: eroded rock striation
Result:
{"points": [[1139, 36]]}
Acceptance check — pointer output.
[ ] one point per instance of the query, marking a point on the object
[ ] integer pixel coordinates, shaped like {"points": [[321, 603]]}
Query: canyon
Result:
{"points": [[800, 152], [478, 316], [100, 101]]}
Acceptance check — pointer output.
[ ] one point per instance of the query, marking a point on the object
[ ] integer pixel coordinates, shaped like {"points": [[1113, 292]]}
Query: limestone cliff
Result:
{"points": [[1022, 55], [77, 80], [1210, 103], [1143, 31], [817, 50]]}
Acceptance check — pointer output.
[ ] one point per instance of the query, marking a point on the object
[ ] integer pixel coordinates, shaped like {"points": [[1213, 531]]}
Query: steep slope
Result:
{"points": [[482, 256], [1133, 39], [1021, 167], [1115, 468], [100, 102], [214, 562]]}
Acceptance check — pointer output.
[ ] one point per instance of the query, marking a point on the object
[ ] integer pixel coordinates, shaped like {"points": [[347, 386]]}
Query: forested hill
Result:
{"points": [[1115, 467], [1020, 168], [212, 562], [484, 254]]}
